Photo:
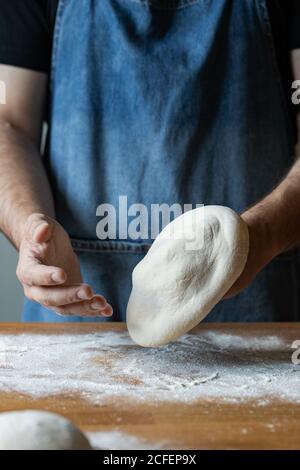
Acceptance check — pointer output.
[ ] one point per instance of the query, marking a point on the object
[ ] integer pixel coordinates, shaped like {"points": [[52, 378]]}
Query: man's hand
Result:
{"points": [[50, 273]]}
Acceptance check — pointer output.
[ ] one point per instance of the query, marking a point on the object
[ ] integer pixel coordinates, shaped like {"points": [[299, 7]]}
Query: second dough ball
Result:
{"points": [[39, 430]]}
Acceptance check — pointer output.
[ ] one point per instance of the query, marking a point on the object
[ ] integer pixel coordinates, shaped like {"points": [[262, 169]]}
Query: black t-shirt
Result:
{"points": [[26, 31]]}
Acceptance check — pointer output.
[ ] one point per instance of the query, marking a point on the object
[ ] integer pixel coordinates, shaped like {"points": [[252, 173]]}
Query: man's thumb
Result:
{"points": [[41, 231]]}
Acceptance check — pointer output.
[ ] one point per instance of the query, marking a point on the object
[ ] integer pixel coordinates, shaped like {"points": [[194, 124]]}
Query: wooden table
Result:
{"points": [[202, 425]]}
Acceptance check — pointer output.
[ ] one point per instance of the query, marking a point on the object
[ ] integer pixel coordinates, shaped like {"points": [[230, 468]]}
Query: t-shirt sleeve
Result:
{"points": [[25, 38], [295, 24]]}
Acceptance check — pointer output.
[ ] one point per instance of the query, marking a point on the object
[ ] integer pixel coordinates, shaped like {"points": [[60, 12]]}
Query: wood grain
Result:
{"points": [[201, 425]]}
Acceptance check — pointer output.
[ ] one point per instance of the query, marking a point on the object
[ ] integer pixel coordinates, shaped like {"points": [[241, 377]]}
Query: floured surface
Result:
{"points": [[104, 366], [117, 440]]}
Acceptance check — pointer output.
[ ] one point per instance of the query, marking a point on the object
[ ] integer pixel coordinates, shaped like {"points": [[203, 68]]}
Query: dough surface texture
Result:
{"points": [[39, 430], [189, 268]]}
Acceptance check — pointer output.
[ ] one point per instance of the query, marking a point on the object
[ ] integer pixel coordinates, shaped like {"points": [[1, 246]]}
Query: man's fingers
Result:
{"points": [[41, 275], [57, 296], [90, 308]]}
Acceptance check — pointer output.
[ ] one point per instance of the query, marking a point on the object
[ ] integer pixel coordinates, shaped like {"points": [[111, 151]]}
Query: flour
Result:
{"points": [[106, 366], [117, 440]]}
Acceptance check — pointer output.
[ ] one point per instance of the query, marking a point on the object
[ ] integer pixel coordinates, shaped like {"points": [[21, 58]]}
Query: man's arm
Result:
{"points": [[274, 222], [24, 188], [48, 268]]}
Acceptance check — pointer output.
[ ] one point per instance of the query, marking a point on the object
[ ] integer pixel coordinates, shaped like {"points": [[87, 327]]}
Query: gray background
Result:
{"points": [[11, 294]]}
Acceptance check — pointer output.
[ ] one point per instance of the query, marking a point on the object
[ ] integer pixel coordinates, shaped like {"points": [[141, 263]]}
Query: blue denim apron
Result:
{"points": [[166, 101]]}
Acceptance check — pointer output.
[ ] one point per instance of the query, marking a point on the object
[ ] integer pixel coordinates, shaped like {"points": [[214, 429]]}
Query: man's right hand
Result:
{"points": [[49, 271]]}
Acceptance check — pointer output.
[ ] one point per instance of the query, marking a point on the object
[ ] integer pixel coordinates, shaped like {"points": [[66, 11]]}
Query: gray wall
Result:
{"points": [[11, 293]]}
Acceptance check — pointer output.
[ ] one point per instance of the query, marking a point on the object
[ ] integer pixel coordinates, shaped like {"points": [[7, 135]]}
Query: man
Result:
{"points": [[163, 101]]}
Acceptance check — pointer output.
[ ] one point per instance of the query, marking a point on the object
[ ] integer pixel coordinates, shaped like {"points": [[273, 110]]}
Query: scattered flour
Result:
{"points": [[117, 440], [103, 366]]}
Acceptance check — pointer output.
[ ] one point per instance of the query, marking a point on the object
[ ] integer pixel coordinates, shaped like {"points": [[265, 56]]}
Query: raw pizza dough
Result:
{"points": [[189, 268], [39, 430]]}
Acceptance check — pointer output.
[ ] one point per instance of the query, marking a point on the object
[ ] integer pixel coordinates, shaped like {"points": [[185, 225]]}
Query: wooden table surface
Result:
{"points": [[201, 425]]}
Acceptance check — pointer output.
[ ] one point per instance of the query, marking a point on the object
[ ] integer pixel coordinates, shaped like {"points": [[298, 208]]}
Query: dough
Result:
{"points": [[39, 430], [179, 281]]}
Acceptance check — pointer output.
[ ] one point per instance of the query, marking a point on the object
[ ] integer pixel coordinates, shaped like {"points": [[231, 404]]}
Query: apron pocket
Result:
{"points": [[113, 246], [107, 267]]}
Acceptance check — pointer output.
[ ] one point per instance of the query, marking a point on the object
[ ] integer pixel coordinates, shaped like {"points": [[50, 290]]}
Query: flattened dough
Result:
{"points": [[189, 268], [39, 430]]}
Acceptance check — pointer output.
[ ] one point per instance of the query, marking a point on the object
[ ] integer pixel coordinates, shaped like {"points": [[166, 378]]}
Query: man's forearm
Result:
{"points": [[277, 217], [278, 214], [24, 188]]}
